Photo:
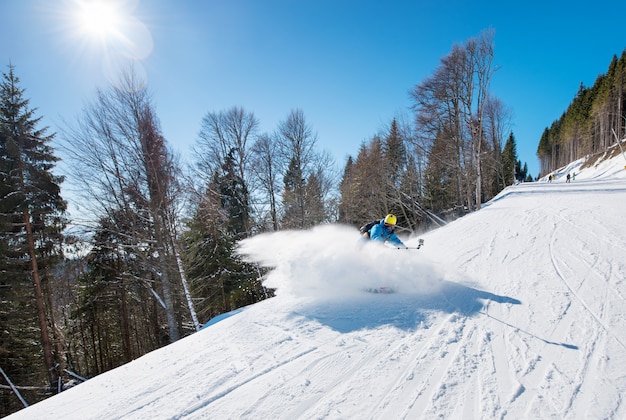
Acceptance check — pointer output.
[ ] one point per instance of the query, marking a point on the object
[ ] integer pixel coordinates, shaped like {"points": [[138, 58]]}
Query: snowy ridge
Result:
{"points": [[515, 311]]}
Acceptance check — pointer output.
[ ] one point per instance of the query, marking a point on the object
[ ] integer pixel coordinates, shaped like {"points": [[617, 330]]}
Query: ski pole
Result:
{"points": [[420, 243]]}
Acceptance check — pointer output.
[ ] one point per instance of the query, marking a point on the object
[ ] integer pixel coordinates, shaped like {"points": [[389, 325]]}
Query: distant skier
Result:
{"points": [[568, 178], [383, 231]]}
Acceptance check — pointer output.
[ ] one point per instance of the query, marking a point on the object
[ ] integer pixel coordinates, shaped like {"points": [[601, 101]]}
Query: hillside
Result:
{"points": [[515, 311]]}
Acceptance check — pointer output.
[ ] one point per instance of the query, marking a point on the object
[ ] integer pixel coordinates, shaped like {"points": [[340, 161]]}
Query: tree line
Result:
{"points": [[594, 120], [156, 257]]}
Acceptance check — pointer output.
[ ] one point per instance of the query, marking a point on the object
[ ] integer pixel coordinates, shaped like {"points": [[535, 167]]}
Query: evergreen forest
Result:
{"points": [[594, 120], [151, 256]]}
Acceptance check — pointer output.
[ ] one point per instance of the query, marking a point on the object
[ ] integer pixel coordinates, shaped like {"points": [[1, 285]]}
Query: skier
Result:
{"points": [[384, 231]]}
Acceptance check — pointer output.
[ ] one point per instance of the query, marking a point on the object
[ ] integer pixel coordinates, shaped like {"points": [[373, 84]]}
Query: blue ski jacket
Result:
{"points": [[382, 233]]}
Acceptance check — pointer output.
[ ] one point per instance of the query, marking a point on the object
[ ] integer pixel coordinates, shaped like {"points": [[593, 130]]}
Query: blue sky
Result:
{"points": [[349, 65]]}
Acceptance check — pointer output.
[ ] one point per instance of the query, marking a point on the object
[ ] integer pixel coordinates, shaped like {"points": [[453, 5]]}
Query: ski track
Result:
{"points": [[558, 380], [471, 370], [419, 386], [415, 384], [579, 281], [237, 386], [407, 353], [528, 324], [562, 277]]}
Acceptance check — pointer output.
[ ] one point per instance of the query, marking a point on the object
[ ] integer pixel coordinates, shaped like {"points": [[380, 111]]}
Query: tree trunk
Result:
{"points": [[41, 311], [183, 278], [165, 280]]}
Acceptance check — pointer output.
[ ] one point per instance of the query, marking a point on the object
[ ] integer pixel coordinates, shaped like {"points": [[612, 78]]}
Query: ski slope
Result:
{"points": [[515, 311]]}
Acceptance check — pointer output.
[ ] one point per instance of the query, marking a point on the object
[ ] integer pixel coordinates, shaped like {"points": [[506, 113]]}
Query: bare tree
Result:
{"points": [[439, 117], [497, 125], [326, 177], [450, 105], [226, 134], [265, 167], [480, 53], [123, 167], [297, 146]]}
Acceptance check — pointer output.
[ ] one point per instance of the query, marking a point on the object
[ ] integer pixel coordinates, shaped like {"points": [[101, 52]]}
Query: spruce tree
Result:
{"points": [[314, 200], [31, 224], [220, 280], [439, 177], [509, 159], [234, 198], [293, 197], [395, 155], [346, 191]]}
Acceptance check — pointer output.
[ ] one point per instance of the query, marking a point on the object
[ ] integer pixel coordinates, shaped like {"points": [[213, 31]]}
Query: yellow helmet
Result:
{"points": [[390, 219]]}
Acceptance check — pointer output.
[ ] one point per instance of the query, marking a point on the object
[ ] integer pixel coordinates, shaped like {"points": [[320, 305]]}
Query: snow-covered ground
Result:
{"points": [[515, 311]]}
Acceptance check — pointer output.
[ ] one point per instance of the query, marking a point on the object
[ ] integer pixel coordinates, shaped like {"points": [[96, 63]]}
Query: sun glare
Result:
{"points": [[106, 33], [98, 18]]}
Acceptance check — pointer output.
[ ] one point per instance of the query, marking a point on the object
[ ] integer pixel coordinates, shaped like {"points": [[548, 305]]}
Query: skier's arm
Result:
{"points": [[393, 238], [376, 233]]}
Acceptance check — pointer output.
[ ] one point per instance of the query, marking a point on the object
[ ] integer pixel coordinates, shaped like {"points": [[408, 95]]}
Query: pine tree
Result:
{"points": [[314, 201], [587, 126], [228, 135], [521, 171], [31, 222], [220, 280], [348, 191], [395, 155], [118, 331], [509, 159], [356, 195], [293, 197], [395, 166], [234, 198], [365, 186], [439, 177]]}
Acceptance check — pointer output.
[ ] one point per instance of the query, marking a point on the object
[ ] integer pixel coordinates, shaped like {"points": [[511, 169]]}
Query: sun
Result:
{"points": [[98, 18], [107, 33]]}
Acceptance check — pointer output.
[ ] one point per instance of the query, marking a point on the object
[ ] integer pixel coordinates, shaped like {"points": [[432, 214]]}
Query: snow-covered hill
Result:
{"points": [[515, 311]]}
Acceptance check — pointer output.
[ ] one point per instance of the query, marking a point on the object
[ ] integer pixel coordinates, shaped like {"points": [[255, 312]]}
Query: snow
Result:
{"points": [[515, 311]]}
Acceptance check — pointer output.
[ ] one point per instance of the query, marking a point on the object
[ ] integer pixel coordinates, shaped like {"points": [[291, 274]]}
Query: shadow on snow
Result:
{"points": [[408, 311], [405, 311]]}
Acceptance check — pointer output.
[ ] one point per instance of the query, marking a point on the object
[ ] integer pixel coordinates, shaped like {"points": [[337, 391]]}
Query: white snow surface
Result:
{"points": [[515, 311]]}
